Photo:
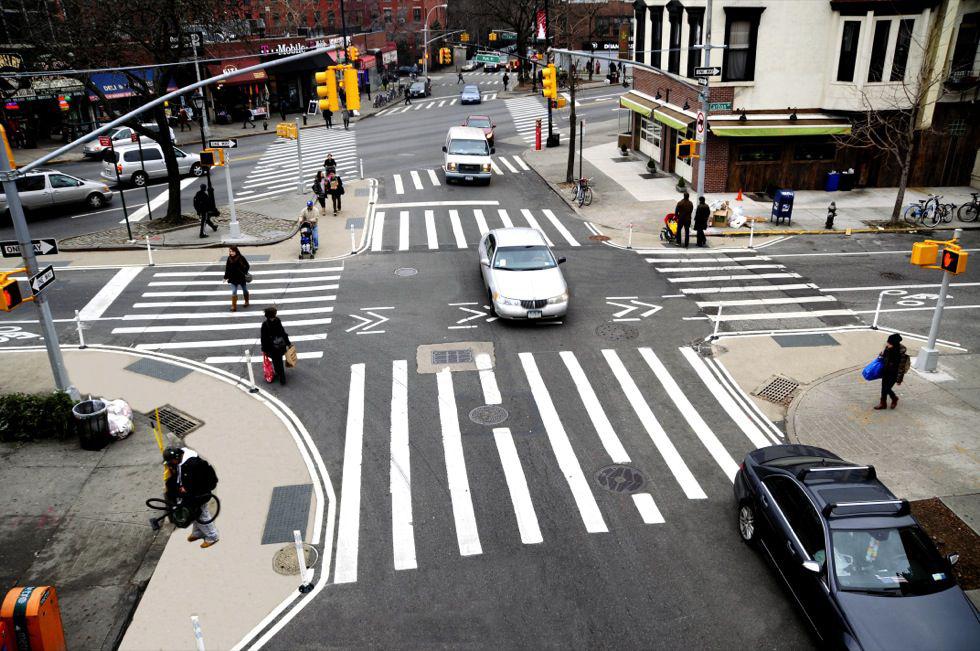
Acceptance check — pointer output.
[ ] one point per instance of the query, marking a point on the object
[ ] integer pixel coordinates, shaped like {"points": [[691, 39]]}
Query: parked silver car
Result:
{"points": [[127, 163], [521, 274], [120, 136], [44, 188]]}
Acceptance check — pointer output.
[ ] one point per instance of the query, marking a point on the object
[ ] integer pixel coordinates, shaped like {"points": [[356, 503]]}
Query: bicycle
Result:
{"points": [[583, 192], [970, 210], [922, 210], [943, 213]]}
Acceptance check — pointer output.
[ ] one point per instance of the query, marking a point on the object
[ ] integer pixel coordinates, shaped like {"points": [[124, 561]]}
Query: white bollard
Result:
{"points": [[629, 242], [78, 325], [353, 245], [149, 251], [305, 584], [360, 162], [251, 374], [714, 334], [198, 635], [751, 231]]}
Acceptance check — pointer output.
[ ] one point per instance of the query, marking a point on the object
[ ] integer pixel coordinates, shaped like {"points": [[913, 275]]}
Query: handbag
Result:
{"points": [[268, 372], [873, 370], [291, 357], [248, 278]]}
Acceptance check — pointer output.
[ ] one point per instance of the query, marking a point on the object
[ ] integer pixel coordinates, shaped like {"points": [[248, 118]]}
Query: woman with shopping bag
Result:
{"points": [[275, 343]]}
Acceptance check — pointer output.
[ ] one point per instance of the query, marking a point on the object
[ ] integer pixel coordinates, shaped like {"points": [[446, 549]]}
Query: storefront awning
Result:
{"points": [[637, 104], [763, 126], [115, 85], [673, 117], [668, 114], [235, 64]]}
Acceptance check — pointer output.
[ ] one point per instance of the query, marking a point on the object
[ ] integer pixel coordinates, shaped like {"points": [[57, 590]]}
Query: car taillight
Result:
{"points": [[118, 169]]}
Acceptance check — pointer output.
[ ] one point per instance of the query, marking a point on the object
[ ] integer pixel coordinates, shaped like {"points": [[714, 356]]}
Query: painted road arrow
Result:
{"points": [[632, 306], [367, 326]]}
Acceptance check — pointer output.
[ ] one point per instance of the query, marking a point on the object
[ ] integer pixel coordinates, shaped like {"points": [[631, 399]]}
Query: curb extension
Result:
{"points": [[210, 245], [789, 422]]}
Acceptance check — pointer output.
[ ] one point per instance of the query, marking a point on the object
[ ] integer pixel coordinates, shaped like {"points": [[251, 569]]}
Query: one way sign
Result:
{"points": [[713, 71], [42, 279], [46, 246]]}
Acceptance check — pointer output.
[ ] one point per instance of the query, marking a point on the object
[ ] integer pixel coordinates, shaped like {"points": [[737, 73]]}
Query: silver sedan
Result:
{"points": [[521, 275]]}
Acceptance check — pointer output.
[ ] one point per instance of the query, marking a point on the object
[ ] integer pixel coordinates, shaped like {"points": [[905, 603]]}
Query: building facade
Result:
{"points": [[795, 76]]}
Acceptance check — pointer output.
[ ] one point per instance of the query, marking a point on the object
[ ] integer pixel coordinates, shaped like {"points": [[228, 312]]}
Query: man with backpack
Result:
{"points": [[190, 481], [203, 208]]}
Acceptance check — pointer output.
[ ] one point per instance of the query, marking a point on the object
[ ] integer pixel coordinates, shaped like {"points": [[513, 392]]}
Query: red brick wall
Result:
{"points": [[716, 169]]}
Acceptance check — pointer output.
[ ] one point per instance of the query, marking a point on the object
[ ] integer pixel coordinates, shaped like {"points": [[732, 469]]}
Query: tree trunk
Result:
{"points": [[170, 158], [572, 131], [902, 184]]}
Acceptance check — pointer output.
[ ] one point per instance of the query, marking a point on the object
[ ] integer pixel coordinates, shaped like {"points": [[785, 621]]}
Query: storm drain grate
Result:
{"points": [[157, 369], [455, 356], [488, 415], [174, 420], [404, 272], [620, 479], [284, 560], [617, 331], [892, 275], [778, 389]]}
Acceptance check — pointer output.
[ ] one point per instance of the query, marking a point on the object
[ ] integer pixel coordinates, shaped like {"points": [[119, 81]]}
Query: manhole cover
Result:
{"points": [[174, 420], [406, 271], [599, 238], [620, 479], [284, 560], [778, 389], [488, 415], [455, 356], [891, 275], [617, 331]]}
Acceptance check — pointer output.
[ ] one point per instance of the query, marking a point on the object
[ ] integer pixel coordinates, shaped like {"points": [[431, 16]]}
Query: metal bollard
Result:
{"points": [[79, 327], [305, 575], [751, 231], [149, 251], [353, 246], [252, 388], [198, 635]]}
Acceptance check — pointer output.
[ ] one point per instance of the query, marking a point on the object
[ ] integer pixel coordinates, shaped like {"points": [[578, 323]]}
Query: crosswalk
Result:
{"points": [[426, 104], [187, 312], [582, 411], [276, 171], [482, 82], [418, 227], [430, 178], [525, 111], [744, 290]]}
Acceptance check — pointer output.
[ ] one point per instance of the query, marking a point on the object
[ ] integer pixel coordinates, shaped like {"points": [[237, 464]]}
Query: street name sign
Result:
{"points": [[720, 106], [487, 58], [47, 246], [230, 143], [42, 279], [713, 71]]}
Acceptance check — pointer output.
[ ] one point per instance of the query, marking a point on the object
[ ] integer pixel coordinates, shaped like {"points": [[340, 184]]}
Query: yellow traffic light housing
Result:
{"points": [[928, 256], [924, 253], [351, 91], [493, 36], [549, 81], [326, 90], [953, 260], [10, 296], [352, 53], [687, 149]]}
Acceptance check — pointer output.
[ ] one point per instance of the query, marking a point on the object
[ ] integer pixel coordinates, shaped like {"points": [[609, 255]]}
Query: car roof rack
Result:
{"points": [[903, 508], [870, 475]]}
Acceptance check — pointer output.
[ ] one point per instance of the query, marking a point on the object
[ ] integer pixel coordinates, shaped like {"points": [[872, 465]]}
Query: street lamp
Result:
{"points": [[425, 41], [197, 100]]}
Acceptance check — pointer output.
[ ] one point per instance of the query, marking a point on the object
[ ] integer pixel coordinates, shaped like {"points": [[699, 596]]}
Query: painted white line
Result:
{"points": [[727, 267], [743, 401], [277, 301], [433, 177], [560, 227], [287, 290], [691, 415], [377, 231], [653, 428], [520, 161], [399, 187], [223, 343], [505, 218], [416, 179], [432, 239], [607, 435], [704, 260], [460, 327], [257, 281], [163, 316], [673, 250], [212, 326], [402, 527], [837, 254], [520, 496], [457, 229], [349, 521], [647, 508], [491, 393], [240, 359], [718, 279], [767, 301], [763, 316], [436, 204], [931, 308], [108, 294], [881, 287], [418, 106], [493, 166], [748, 288], [467, 536], [452, 101], [533, 223], [252, 271], [481, 222], [503, 159], [562, 447], [443, 101], [403, 230]]}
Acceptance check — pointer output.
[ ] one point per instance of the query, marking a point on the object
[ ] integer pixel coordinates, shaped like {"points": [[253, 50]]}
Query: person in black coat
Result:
{"points": [[895, 362], [701, 216], [328, 117], [274, 341], [236, 275], [683, 212], [202, 206], [190, 481], [335, 188]]}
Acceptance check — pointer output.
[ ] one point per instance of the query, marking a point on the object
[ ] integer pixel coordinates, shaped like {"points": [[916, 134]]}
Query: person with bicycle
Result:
{"points": [[190, 481]]}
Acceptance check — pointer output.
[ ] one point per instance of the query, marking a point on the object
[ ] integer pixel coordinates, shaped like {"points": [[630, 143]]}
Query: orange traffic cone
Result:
{"points": [[739, 197]]}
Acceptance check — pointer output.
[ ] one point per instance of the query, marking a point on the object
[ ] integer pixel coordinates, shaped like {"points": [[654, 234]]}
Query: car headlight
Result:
{"points": [[486, 167], [451, 167], [503, 300], [561, 298], [105, 188]]}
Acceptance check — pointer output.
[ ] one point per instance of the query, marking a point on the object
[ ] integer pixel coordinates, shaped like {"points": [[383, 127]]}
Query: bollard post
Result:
{"points": [[714, 334], [629, 241], [299, 160], [149, 251], [78, 326], [198, 635], [252, 388], [360, 162], [353, 246], [305, 585], [751, 231], [537, 135]]}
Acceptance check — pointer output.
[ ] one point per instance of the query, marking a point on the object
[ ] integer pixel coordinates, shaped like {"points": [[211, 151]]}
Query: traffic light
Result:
{"points": [[549, 81], [207, 158], [953, 260], [352, 53], [327, 88], [6, 145], [493, 36], [687, 149], [464, 37], [352, 93], [9, 293]]}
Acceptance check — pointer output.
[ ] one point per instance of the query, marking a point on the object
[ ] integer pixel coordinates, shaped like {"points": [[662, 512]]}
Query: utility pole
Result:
{"points": [[705, 97]]}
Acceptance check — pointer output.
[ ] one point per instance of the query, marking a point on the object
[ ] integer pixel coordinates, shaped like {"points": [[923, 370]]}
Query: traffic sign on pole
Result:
{"points": [[699, 123], [712, 71], [42, 279], [230, 143], [702, 81], [46, 246]]}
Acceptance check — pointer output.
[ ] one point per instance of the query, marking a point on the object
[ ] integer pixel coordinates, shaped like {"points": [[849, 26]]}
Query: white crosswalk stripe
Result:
{"points": [[420, 104], [525, 111], [430, 177]]}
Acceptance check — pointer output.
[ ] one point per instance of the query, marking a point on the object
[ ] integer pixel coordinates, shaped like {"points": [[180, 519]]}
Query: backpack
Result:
{"points": [[207, 478], [905, 364]]}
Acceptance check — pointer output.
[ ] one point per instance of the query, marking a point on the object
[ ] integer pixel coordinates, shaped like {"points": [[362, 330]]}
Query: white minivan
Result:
{"points": [[127, 163], [467, 155]]}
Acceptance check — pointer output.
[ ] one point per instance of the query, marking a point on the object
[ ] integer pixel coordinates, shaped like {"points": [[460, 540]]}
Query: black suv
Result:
{"points": [[860, 567]]}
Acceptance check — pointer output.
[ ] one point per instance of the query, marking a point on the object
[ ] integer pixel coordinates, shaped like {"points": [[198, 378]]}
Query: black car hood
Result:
{"points": [[944, 620]]}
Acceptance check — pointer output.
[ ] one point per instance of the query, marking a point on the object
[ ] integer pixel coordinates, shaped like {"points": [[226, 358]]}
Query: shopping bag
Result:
{"points": [[291, 356], [873, 370], [267, 371]]}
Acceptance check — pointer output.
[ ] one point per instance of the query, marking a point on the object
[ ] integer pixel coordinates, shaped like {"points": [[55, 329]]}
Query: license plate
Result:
{"points": [[468, 178], [534, 314]]}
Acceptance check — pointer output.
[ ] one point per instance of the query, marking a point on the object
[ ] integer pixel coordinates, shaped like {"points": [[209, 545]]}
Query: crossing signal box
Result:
{"points": [[493, 36], [213, 158], [326, 90], [687, 149], [352, 93], [549, 81], [924, 253], [9, 294], [352, 53], [953, 261]]}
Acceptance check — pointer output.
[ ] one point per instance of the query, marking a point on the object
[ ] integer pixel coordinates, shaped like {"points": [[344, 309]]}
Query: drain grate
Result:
{"points": [[617, 331], [599, 238], [778, 389], [175, 420], [620, 479], [892, 275], [405, 272], [284, 560], [488, 415], [455, 356]]}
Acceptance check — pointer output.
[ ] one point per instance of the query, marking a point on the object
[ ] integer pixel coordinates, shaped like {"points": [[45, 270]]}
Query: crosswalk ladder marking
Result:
{"points": [[481, 222], [607, 435], [467, 536], [716, 279], [290, 290], [377, 231], [348, 521], [432, 239], [647, 508], [507, 164], [505, 218], [533, 223], [457, 229], [560, 227], [222, 343], [433, 177], [403, 230], [399, 188], [520, 496], [416, 179], [402, 527]]}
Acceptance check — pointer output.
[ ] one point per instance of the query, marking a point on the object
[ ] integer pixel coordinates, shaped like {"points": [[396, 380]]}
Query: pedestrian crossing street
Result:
{"points": [[276, 171], [430, 178], [745, 290], [187, 312], [416, 227], [537, 483], [424, 104], [525, 111]]}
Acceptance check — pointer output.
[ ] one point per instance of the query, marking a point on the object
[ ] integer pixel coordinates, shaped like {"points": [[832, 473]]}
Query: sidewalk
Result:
{"points": [[78, 522]]}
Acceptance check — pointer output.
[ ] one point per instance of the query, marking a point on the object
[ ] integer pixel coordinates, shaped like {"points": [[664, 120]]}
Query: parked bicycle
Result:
{"points": [[922, 211], [384, 97], [969, 211], [583, 192], [943, 214]]}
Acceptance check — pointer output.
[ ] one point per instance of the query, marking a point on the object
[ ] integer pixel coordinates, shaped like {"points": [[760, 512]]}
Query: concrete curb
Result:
{"points": [[848, 231], [789, 421], [217, 244]]}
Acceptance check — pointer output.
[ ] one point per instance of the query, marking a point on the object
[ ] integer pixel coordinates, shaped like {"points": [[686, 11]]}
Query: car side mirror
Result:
{"points": [[812, 566], [485, 262], [444, 147], [492, 150], [561, 260], [953, 558]]}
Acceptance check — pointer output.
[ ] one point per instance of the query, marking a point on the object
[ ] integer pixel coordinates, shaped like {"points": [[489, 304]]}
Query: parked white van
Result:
{"points": [[467, 155], [127, 163]]}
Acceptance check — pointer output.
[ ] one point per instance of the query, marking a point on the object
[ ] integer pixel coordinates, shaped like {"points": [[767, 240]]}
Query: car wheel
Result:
{"points": [[493, 311], [197, 169], [95, 200], [748, 524], [139, 179]]}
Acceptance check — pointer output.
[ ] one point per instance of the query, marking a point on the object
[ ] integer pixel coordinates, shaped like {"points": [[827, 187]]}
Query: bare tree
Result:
{"points": [[571, 17], [518, 15]]}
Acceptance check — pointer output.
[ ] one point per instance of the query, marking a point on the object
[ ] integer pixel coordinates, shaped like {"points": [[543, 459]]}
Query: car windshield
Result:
{"points": [[482, 123], [470, 90], [523, 258], [418, 86], [898, 561], [468, 147]]}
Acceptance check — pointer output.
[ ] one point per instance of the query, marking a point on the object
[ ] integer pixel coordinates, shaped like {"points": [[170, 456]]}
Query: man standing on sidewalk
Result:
{"points": [[683, 212], [190, 482], [202, 206], [701, 216]]}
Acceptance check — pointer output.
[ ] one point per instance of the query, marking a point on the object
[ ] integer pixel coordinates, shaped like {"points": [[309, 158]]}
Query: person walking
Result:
{"points": [[202, 206], [328, 118], [189, 482], [459, 77], [345, 115], [701, 216], [183, 120], [320, 190], [282, 109], [236, 275], [329, 164], [248, 120], [274, 342], [895, 363], [683, 211], [335, 187]]}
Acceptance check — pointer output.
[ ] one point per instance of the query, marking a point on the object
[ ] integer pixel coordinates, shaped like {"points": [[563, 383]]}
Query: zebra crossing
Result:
{"points": [[482, 82], [525, 111], [426, 104], [418, 227], [186, 312], [584, 411], [421, 179], [276, 172], [746, 291]]}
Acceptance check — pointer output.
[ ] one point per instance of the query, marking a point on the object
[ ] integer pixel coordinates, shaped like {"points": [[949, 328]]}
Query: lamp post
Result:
{"points": [[425, 41], [197, 99]]}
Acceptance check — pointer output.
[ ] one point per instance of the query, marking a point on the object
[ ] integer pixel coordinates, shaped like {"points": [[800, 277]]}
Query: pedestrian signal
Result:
{"points": [[9, 293], [352, 53], [687, 149], [493, 36], [924, 253], [351, 91], [549, 82], [207, 158], [953, 261], [326, 90]]}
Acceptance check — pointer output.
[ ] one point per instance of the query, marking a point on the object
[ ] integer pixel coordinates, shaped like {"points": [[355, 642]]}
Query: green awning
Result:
{"points": [[672, 118], [636, 105], [760, 128]]}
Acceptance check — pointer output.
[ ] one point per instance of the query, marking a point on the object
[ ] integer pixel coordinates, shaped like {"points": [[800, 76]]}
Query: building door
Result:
{"points": [[650, 139]]}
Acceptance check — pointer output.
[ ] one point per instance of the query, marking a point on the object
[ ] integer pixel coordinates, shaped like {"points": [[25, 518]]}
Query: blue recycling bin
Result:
{"points": [[782, 206], [833, 182]]}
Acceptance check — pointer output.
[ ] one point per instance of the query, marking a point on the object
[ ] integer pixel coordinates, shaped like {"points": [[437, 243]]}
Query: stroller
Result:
{"points": [[669, 232], [307, 245]]}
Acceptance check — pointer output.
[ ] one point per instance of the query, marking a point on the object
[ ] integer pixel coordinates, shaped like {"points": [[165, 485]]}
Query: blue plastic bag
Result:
{"points": [[873, 370]]}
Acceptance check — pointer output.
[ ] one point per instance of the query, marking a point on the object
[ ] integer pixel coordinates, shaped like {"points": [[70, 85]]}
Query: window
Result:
{"points": [[894, 561], [31, 183], [650, 131], [149, 153], [966, 54], [694, 21], [491, 246], [902, 45], [62, 181], [417, 14], [879, 46], [741, 35], [848, 50], [799, 514], [674, 42], [331, 19], [759, 153], [813, 151], [656, 34], [387, 13]]}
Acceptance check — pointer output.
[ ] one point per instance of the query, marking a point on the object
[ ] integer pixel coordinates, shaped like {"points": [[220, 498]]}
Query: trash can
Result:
{"points": [[782, 206], [847, 180], [92, 424], [833, 182]]}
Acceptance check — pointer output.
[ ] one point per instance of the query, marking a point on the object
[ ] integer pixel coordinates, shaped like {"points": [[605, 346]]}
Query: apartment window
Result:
{"points": [[695, 18], [656, 34], [966, 53], [848, 50], [902, 45], [674, 42], [760, 153], [741, 36], [814, 151], [417, 14], [879, 47]]}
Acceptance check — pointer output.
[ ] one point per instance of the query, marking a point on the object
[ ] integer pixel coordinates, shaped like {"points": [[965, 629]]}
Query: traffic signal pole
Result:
{"points": [[928, 357], [705, 97], [58, 369]]}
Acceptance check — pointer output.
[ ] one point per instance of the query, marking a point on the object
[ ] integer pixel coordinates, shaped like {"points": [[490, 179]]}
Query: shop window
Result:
{"points": [[651, 131], [902, 46], [848, 50], [879, 47], [760, 153], [417, 14], [741, 36], [694, 21], [814, 151]]}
